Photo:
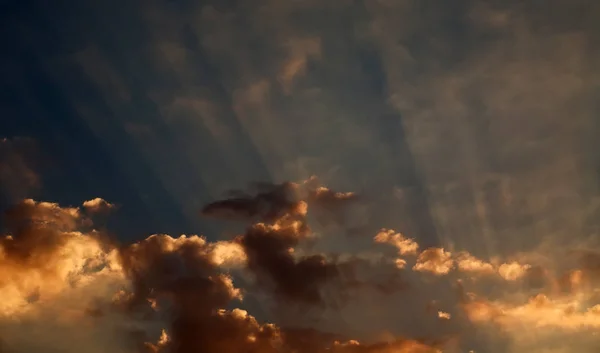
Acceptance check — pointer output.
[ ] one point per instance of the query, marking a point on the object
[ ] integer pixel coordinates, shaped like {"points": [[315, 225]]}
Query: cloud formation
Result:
{"points": [[434, 260], [473, 122], [98, 205], [53, 255], [281, 216], [166, 294]]}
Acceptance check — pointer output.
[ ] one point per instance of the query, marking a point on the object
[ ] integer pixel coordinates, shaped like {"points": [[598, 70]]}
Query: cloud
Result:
{"points": [[269, 204], [547, 305], [405, 246], [541, 323], [53, 254], [444, 315], [154, 266], [181, 294], [469, 263], [98, 205], [543, 300], [434, 260], [512, 271], [162, 293], [183, 272], [270, 256], [541, 312], [44, 252], [52, 271], [281, 214]]}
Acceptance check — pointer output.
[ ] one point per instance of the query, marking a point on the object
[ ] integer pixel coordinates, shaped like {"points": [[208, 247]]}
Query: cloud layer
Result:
{"points": [[66, 286]]}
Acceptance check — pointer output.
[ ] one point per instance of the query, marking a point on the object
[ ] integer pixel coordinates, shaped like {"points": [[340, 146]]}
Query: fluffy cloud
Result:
{"points": [[54, 270], [513, 270], [281, 214], [469, 263], [166, 294], [163, 293], [434, 260], [98, 205], [44, 252], [405, 246]]}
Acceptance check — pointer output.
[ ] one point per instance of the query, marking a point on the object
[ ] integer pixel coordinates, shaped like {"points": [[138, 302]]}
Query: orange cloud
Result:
{"points": [[513, 271], [98, 205], [181, 288], [434, 260], [468, 263], [45, 253], [404, 245], [538, 312]]}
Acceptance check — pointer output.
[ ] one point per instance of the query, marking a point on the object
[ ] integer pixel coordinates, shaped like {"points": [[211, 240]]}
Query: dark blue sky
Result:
{"points": [[470, 122], [39, 104]]}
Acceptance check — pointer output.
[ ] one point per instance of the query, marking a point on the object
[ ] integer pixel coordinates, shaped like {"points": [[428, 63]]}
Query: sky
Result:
{"points": [[433, 165]]}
